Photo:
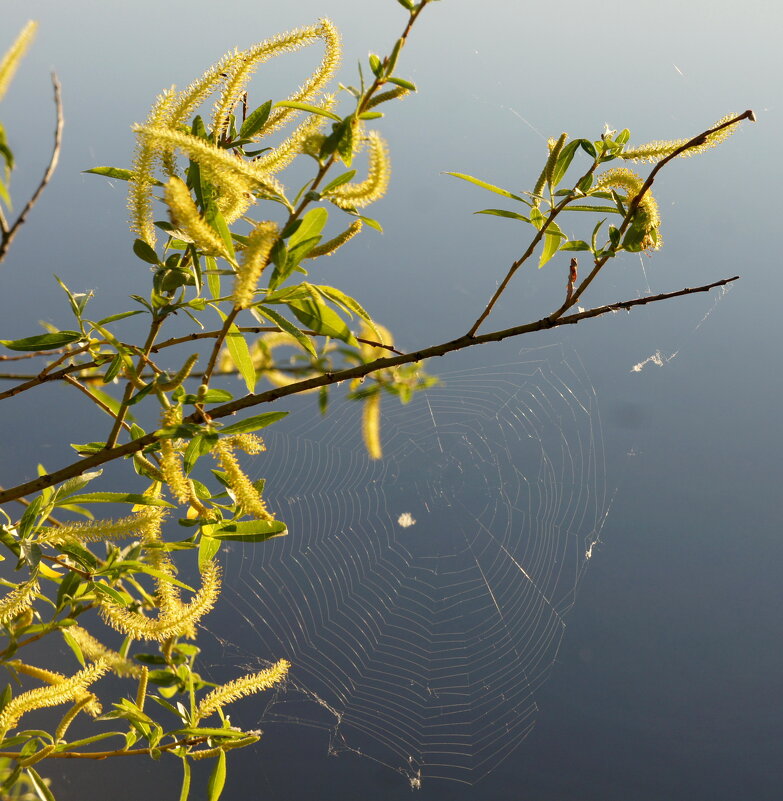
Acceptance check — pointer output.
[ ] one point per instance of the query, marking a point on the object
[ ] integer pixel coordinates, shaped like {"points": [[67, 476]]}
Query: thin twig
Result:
{"points": [[527, 254], [97, 401], [327, 379], [256, 329], [8, 236], [697, 140]]}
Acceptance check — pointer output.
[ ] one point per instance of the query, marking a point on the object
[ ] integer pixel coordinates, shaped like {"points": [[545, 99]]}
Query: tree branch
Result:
{"points": [[226, 409], [8, 236]]}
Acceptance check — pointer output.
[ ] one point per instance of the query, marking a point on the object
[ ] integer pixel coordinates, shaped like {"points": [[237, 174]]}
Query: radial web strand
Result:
{"points": [[421, 598]]}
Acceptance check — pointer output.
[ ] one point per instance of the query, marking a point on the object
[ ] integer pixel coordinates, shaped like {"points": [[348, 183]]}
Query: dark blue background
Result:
{"points": [[668, 682]]}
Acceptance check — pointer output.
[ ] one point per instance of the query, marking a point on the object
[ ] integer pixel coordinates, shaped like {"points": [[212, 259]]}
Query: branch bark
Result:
{"points": [[255, 399], [8, 236]]}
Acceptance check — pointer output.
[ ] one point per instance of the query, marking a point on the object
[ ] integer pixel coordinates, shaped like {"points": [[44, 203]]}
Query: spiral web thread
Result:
{"points": [[421, 599]]}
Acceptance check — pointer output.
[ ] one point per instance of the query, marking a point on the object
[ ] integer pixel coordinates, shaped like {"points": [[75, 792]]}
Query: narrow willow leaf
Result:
{"points": [[403, 83], [339, 180], [597, 209], [564, 161], [288, 327], [311, 226], [217, 779], [307, 107], [552, 239], [197, 447], [185, 791], [349, 303], [255, 120], [213, 277], [503, 213], [121, 316], [42, 341], [247, 530], [253, 423], [315, 314], [118, 173], [39, 785], [207, 549], [240, 354], [484, 185], [118, 497], [575, 244]]}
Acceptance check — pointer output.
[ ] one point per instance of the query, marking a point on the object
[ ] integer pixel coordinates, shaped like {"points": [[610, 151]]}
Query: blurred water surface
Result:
{"points": [[667, 684]]}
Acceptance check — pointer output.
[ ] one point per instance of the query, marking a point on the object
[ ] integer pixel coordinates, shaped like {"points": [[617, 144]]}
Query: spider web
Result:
{"points": [[421, 598]]}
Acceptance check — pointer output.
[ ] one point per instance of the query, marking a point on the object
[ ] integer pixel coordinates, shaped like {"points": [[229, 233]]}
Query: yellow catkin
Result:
{"points": [[18, 600], [171, 461], [249, 443], [179, 622], [244, 64], [221, 167], [69, 689], [332, 245], [391, 94], [87, 699], [241, 687], [655, 151], [136, 525], [254, 258], [93, 650], [14, 54], [281, 156], [371, 425], [245, 493], [185, 216], [317, 81], [647, 210], [142, 181], [358, 195]]}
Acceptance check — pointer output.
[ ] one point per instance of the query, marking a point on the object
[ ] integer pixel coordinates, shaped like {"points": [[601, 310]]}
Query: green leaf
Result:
{"points": [[213, 276], [247, 530], [145, 252], [40, 787], [240, 354], [408, 4], [288, 327], [43, 341], [185, 791], [109, 592], [207, 548], [197, 447], [253, 423], [588, 147], [349, 303], [311, 226], [375, 65], [575, 244], [118, 497], [217, 779], [503, 213], [307, 107], [315, 314], [597, 209], [211, 396], [564, 161], [256, 120], [118, 173], [339, 181], [403, 83], [552, 239], [484, 185], [121, 316]]}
